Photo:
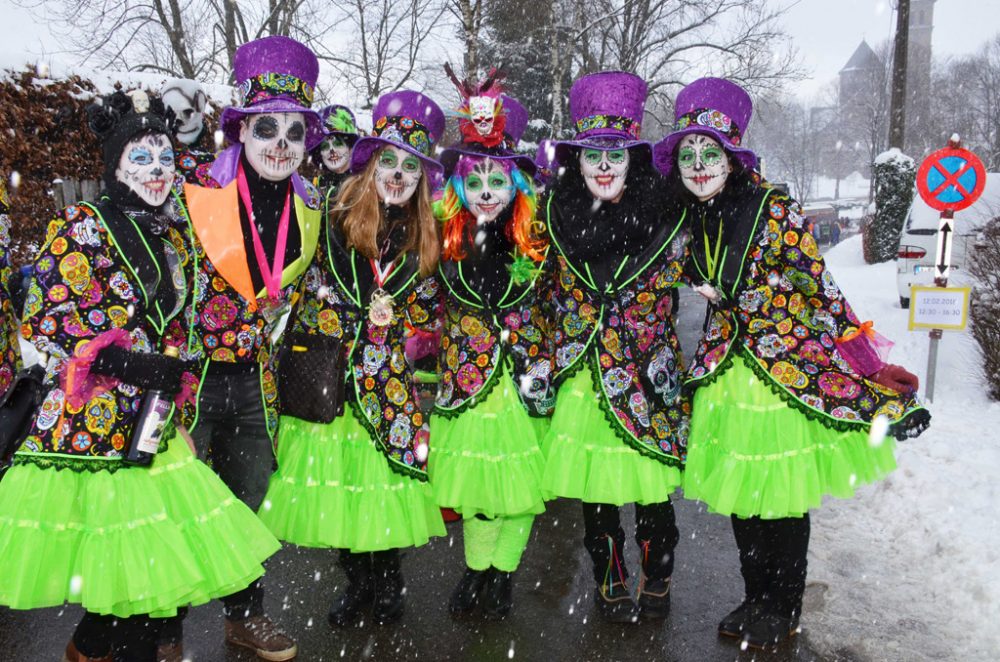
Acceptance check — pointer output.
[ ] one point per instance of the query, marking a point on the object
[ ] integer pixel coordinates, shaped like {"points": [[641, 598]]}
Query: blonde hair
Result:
{"points": [[360, 215]]}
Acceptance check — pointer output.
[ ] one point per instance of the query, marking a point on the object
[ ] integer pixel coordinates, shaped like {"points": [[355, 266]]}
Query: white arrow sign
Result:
{"points": [[942, 264]]}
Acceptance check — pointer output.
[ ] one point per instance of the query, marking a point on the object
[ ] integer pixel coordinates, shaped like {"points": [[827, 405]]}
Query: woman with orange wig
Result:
{"points": [[494, 363]]}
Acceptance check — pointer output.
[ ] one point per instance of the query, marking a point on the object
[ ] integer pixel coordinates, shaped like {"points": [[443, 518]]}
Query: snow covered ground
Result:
{"points": [[910, 569]]}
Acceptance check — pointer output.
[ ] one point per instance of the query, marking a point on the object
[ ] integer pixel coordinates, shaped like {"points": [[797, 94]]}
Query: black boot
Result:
{"points": [[750, 540], [769, 630], [498, 596], [466, 594], [657, 535], [604, 539], [615, 605], [654, 598], [738, 620], [388, 583], [360, 593]]}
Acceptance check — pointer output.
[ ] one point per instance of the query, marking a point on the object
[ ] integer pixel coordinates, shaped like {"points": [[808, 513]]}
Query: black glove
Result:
{"points": [[142, 369]]}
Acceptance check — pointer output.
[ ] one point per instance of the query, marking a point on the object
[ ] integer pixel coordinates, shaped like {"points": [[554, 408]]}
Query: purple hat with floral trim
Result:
{"points": [[405, 119], [516, 122], [274, 75], [714, 107], [607, 110]]}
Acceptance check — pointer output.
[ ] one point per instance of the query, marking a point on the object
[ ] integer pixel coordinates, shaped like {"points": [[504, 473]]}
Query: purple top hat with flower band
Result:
{"points": [[274, 75], [714, 107], [606, 109], [516, 123], [405, 119]]}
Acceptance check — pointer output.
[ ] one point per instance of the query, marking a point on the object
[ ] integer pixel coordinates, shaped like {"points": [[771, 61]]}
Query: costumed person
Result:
{"points": [[257, 224], [10, 354], [619, 430], [355, 478], [196, 148], [78, 523], [494, 361], [333, 156], [792, 400]]}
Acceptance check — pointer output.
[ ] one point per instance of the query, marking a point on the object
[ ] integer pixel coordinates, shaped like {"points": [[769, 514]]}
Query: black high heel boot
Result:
{"points": [[387, 578], [467, 593], [359, 595], [498, 597]]}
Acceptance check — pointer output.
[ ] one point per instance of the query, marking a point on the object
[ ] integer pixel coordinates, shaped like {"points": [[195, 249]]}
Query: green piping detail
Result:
{"points": [[746, 249]]}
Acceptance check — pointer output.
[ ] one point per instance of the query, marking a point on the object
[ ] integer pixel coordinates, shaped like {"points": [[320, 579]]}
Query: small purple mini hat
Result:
{"points": [[274, 75], [607, 110], [405, 119], [516, 123], [714, 107]]}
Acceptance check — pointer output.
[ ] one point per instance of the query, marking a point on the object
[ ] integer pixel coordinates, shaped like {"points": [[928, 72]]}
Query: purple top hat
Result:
{"points": [[516, 123], [405, 119], [606, 109], [274, 75], [714, 107]]}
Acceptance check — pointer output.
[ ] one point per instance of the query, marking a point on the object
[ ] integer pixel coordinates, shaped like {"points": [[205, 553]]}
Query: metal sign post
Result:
{"points": [[948, 180]]}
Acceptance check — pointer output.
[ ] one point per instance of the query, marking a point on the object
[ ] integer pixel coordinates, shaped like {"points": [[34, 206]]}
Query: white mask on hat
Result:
{"points": [[336, 154], [488, 190], [188, 102], [604, 172], [275, 144], [146, 167], [481, 114], [703, 164], [397, 174]]}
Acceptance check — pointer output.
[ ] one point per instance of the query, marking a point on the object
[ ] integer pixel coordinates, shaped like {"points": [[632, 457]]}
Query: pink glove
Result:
{"points": [[897, 378]]}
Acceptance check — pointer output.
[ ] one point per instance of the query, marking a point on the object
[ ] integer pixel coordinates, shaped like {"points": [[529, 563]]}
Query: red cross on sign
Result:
{"points": [[951, 179]]}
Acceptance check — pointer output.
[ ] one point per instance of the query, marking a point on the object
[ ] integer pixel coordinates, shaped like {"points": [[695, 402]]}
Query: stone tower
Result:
{"points": [[919, 132]]}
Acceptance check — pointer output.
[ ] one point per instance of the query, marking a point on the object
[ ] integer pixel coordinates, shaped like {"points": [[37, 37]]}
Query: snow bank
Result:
{"points": [[909, 569]]}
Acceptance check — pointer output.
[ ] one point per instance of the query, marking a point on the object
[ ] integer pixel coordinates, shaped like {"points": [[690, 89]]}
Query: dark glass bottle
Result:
{"points": [[154, 414]]}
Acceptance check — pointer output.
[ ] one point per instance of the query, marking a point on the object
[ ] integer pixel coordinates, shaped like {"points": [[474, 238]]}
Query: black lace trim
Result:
{"points": [[480, 396], [398, 467], [84, 465]]}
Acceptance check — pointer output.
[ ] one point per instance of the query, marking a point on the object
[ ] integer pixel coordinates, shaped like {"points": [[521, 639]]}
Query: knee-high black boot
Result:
{"points": [[605, 541], [657, 535], [360, 593], [749, 541], [387, 579], [92, 640]]}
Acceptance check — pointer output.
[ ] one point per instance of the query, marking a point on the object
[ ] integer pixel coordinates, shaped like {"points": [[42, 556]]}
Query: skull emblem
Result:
{"points": [[662, 372], [481, 113], [75, 270]]}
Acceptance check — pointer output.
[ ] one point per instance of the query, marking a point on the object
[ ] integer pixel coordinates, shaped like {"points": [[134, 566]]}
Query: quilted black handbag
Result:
{"points": [[311, 380], [17, 409]]}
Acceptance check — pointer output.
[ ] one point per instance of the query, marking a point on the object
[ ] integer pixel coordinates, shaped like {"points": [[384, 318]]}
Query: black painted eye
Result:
{"points": [[296, 132], [265, 128]]}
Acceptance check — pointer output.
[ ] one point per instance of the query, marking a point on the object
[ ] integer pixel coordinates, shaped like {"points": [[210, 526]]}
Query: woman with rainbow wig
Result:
{"points": [[494, 360]]}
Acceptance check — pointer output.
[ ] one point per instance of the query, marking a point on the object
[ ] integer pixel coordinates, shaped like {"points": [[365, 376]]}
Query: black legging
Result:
{"points": [[655, 532], [773, 561], [132, 639]]}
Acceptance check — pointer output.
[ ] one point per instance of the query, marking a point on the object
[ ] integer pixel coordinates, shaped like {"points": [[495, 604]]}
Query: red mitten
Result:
{"points": [[897, 378]]}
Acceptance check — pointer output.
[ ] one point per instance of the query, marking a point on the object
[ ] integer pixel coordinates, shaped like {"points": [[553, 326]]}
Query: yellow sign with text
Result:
{"points": [[945, 308]]}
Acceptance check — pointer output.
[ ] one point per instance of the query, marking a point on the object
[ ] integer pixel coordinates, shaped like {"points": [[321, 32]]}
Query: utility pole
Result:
{"points": [[897, 105]]}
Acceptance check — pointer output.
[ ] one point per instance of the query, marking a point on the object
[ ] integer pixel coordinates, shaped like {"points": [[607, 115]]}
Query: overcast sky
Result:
{"points": [[826, 32]]}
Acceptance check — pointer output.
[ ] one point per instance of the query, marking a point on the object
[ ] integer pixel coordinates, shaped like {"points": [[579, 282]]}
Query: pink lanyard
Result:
{"points": [[270, 274]]}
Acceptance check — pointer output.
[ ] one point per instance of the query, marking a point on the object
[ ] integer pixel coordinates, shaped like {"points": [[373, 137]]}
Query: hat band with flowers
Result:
{"points": [[406, 131], [711, 119], [602, 122], [272, 85]]}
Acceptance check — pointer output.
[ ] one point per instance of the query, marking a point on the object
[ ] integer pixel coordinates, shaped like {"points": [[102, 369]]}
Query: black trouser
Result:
{"points": [[131, 639], [655, 532], [773, 561]]}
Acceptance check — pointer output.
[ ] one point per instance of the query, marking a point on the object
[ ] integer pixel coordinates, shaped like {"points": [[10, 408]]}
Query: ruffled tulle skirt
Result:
{"points": [[335, 488], [486, 460], [135, 541], [587, 460], [750, 453]]}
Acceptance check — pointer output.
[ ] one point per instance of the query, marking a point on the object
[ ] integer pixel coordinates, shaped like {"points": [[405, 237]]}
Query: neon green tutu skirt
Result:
{"points": [[486, 460], [587, 460], [136, 541], [751, 454], [334, 488]]}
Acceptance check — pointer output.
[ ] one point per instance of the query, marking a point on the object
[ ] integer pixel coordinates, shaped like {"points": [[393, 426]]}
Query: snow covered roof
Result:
{"points": [[864, 59]]}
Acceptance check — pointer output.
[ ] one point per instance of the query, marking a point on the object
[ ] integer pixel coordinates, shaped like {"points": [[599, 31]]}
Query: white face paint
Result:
{"points": [[703, 164], [481, 114], [275, 144], [146, 167], [396, 175], [488, 190], [336, 154], [604, 172]]}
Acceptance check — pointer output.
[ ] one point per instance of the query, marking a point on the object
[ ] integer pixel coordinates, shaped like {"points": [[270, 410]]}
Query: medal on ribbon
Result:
{"points": [[380, 306]]}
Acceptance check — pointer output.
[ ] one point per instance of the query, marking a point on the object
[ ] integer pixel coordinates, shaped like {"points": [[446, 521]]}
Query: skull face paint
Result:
{"points": [[488, 189], [481, 114], [604, 172], [397, 174], [146, 167], [336, 154], [275, 144], [704, 165]]}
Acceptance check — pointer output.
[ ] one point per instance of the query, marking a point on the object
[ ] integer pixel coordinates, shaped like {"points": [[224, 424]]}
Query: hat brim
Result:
{"points": [[663, 151], [232, 116], [450, 157], [366, 146]]}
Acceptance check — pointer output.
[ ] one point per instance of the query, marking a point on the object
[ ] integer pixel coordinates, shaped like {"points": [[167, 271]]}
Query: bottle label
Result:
{"points": [[153, 425]]}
